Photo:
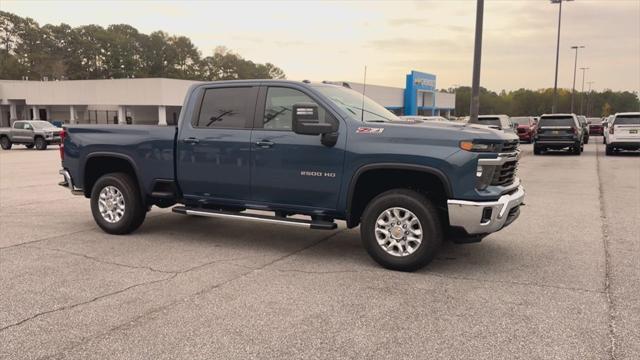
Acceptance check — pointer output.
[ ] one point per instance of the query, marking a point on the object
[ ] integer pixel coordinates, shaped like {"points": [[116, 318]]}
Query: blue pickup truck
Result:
{"points": [[320, 151]]}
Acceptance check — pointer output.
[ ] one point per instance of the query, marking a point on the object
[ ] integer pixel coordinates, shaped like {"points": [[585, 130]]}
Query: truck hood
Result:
{"points": [[443, 130]]}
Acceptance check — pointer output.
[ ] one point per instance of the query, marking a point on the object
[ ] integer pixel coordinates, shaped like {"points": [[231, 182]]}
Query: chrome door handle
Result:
{"points": [[191, 140], [265, 143]]}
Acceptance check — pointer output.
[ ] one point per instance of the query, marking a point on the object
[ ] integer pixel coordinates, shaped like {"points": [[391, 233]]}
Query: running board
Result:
{"points": [[319, 225]]}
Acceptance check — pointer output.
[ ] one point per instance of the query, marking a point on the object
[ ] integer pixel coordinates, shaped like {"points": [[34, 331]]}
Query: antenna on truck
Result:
{"points": [[364, 89]]}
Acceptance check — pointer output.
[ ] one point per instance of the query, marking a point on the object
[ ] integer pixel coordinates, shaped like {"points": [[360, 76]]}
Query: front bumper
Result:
{"points": [[485, 217], [68, 182]]}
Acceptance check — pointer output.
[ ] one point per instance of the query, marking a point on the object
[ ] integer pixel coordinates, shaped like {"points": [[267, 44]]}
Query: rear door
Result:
{"points": [[213, 148], [291, 169]]}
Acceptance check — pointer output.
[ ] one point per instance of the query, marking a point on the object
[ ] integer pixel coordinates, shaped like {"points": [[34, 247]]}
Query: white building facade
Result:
{"points": [[158, 101]]}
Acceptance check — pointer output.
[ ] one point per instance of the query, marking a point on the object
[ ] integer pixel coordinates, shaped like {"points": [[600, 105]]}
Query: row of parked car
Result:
{"points": [[563, 131]]}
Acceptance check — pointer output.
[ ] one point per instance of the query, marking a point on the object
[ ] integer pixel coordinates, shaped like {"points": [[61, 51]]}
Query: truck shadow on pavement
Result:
{"points": [[312, 250]]}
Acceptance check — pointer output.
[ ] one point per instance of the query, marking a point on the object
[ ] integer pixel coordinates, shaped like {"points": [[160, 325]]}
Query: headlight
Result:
{"points": [[477, 147]]}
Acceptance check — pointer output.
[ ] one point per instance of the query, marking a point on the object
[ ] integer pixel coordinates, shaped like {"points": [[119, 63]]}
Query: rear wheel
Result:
{"points": [[116, 204], [41, 144], [575, 150], [401, 230], [609, 150], [537, 150], [5, 143]]}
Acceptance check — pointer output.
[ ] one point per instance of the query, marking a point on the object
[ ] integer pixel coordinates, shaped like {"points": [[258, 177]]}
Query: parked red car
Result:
{"points": [[595, 126], [526, 127]]}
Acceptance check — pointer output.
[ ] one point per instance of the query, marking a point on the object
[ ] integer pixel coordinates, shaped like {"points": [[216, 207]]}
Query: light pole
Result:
{"points": [[477, 54], [575, 66], [589, 96], [584, 70], [555, 83]]}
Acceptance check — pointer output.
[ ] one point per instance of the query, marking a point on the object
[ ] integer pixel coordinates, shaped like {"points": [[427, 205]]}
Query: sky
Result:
{"points": [[332, 40]]}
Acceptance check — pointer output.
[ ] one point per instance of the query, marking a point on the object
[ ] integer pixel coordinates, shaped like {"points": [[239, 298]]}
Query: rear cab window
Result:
{"points": [[627, 120], [556, 121], [229, 108], [491, 121]]}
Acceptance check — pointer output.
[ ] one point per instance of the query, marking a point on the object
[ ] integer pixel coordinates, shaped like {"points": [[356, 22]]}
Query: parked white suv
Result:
{"points": [[623, 132]]}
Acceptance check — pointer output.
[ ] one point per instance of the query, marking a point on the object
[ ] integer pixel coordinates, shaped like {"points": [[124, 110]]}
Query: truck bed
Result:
{"points": [[149, 149]]}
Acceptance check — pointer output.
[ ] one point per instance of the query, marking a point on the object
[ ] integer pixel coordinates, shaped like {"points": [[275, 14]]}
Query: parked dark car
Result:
{"points": [[296, 148], [585, 128], [558, 131], [525, 127]]}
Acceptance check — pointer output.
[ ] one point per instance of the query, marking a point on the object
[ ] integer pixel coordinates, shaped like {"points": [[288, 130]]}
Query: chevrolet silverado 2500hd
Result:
{"points": [[300, 148]]}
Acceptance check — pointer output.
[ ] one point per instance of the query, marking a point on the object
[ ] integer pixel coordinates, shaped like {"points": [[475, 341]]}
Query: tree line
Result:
{"points": [[525, 102], [61, 52]]}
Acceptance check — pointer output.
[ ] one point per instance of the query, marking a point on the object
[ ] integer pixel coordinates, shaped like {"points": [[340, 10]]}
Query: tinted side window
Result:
{"points": [[227, 108], [18, 125], [279, 105]]}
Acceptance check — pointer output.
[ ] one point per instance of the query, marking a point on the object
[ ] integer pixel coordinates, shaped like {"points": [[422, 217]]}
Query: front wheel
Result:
{"points": [[609, 150], [116, 204], [5, 143], [537, 150], [401, 230], [41, 144]]}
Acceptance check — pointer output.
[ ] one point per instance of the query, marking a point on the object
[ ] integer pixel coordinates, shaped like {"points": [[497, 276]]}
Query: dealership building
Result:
{"points": [[158, 100]]}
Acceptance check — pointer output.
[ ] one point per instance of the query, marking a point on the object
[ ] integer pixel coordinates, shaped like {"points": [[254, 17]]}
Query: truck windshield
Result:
{"points": [[41, 124], [351, 101], [490, 121], [556, 121], [520, 120], [627, 120]]}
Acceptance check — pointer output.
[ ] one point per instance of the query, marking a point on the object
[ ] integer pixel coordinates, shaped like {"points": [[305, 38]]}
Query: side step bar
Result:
{"points": [[320, 225]]}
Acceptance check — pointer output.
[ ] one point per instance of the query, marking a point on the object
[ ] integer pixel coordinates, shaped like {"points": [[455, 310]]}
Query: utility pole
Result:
{"points": [[554, 105], [589, 96], [575, 66], [477, 55], [584, 70]]}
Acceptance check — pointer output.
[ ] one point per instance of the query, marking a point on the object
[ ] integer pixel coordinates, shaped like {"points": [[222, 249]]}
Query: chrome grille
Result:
{"points": [[505, 175], [510, 146]]}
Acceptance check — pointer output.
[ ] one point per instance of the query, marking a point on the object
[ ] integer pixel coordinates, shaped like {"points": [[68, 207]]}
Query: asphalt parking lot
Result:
{"points": [[560, 283]]}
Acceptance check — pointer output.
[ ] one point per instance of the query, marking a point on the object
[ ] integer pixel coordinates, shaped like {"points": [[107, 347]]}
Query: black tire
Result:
{"points": [[609, 150], [29, 146], [575, 150], [586, 141], [134, 209], [5, 143], [536, 150], [429, 220], [40, 143]]}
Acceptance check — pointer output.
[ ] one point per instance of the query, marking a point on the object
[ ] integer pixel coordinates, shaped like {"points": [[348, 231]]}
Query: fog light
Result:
{"points": [[486, 215], [479, 171]]}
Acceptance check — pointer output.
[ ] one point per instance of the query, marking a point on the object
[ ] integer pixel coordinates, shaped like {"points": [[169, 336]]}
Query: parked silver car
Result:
{"points": [[30, 133]]}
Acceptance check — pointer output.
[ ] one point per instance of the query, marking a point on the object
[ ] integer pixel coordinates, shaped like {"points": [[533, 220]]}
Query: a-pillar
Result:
{"points": [[122, 115], [73, 117], [36, 112], [162, 115]]}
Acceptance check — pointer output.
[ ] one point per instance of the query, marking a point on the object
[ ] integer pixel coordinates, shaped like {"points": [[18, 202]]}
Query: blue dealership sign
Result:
{"points": [[417, 82]]}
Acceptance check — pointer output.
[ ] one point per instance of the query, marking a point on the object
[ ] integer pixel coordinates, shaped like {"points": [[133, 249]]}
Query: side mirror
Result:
{"points": [[306, 121]]}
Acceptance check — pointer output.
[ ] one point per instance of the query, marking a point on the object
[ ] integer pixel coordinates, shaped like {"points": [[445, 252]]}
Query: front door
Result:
{"points": [[288, 168], [213, 148]]}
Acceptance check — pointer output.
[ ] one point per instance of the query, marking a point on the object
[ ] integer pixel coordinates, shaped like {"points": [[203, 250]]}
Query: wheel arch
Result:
{"points": [[110, 162], [420, 177]]}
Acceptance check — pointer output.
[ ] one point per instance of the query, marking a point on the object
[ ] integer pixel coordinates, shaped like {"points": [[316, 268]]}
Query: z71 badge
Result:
{"points": [[369, 130]]}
